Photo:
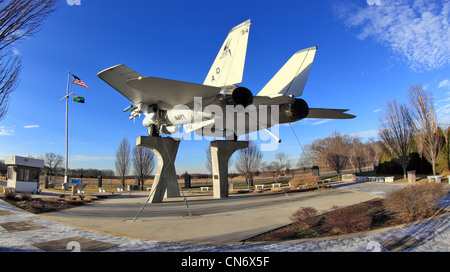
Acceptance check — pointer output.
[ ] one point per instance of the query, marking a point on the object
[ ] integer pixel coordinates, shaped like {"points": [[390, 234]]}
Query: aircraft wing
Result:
{"points": [[313, 112], [152, 90], [117, 76]]}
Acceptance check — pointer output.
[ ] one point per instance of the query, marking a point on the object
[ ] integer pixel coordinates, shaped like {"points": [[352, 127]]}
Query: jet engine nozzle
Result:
{"points": [[238, 96], [295, 111]]}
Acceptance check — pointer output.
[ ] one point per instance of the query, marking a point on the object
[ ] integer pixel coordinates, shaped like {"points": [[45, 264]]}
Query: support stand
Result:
{"points": [[221, 151], [165, 183]]}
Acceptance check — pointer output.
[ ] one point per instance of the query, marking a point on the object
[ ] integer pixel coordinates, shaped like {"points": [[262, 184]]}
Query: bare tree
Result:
{"points": [[428, 136], [9, 78], [18, 19], [336, 152], [373, 149], [333, 150], [397, 131], [52, 161], [358, 153], [282, 160], [274, 168], [306, 159], [143, 163], [264, 167], [123, 160], [22, 18], [248, 161]]}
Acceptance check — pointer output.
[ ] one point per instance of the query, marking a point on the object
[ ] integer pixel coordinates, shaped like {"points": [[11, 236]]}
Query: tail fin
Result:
{"points": [[228, 67], [291, 78]]}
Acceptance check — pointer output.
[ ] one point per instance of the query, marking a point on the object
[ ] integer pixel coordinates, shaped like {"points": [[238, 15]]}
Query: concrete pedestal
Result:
{"points": [[165, 183], [221, 151]]}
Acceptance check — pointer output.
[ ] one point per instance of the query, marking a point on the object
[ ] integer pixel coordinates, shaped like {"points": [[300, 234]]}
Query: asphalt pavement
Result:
{"points": [[200, 223]]}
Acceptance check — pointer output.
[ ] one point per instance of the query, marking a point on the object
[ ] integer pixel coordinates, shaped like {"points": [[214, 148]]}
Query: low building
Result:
{"points": [[23, 173]]}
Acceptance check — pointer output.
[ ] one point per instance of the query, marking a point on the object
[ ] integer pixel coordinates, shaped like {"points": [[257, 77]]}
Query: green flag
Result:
{"points": [[78, 99]]}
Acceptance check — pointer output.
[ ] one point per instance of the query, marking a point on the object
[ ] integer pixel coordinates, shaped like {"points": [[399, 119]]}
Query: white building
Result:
{"points": [[23, 173]]}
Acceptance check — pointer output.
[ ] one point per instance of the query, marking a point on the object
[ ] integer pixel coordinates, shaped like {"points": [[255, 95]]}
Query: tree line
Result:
{"points": [[141, 160], [337, 152], [412, 128], [341, 152], [410, 138]]}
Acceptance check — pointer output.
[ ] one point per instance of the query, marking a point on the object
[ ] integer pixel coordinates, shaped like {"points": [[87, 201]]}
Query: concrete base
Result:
{"points": [[165, 183], [221, 151]]}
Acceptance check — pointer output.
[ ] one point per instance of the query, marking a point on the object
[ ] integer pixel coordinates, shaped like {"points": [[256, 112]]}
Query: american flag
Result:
{"points": [[78, 81]]}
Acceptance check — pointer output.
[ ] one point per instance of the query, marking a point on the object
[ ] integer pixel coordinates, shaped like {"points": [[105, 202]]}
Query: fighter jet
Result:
{"points": [[220, 107]]}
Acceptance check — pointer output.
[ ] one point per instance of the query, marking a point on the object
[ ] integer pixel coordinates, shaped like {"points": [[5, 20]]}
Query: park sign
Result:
{"points": [[78, 99]]}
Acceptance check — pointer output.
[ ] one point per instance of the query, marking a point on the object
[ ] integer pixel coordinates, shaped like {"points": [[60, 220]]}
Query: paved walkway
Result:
{"points": [[23, 231]]}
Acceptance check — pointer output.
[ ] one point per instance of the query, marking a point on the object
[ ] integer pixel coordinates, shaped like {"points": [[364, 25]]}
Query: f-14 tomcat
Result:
{"points": [[219, 107]]}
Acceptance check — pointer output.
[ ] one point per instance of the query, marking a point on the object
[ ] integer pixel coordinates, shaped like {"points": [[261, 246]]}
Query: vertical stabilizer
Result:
{"points": [[228, 67], [291, 78]]}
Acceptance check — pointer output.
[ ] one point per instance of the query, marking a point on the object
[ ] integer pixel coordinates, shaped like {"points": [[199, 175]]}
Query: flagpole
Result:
{"points": [[66, 171]]}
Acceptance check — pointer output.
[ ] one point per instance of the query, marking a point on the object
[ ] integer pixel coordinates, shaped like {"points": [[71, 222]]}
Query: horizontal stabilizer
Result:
{"points": [[329, 114]]}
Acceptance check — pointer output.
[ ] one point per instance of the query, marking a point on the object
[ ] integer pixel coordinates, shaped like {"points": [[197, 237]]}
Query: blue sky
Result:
{"points": [[367, 55]]}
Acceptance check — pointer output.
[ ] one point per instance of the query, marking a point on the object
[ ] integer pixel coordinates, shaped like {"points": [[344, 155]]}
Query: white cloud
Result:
{"points": [[365, 134], [31, 126], [444, 84], [6, 131], [15, 51], [321, 122], [444, 99], [417, 31], [377, 110], [91, 158]]}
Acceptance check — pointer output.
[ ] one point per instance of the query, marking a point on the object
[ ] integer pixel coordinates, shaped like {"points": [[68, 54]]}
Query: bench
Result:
{"points": [[348, 177], [259, 186], [119, 189], [383, 179], [8, 188], [79, 187], [436, 179], [389, 179], [276, 185], [326, 181], [204, 188], [101, 190], [362, 178]]}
